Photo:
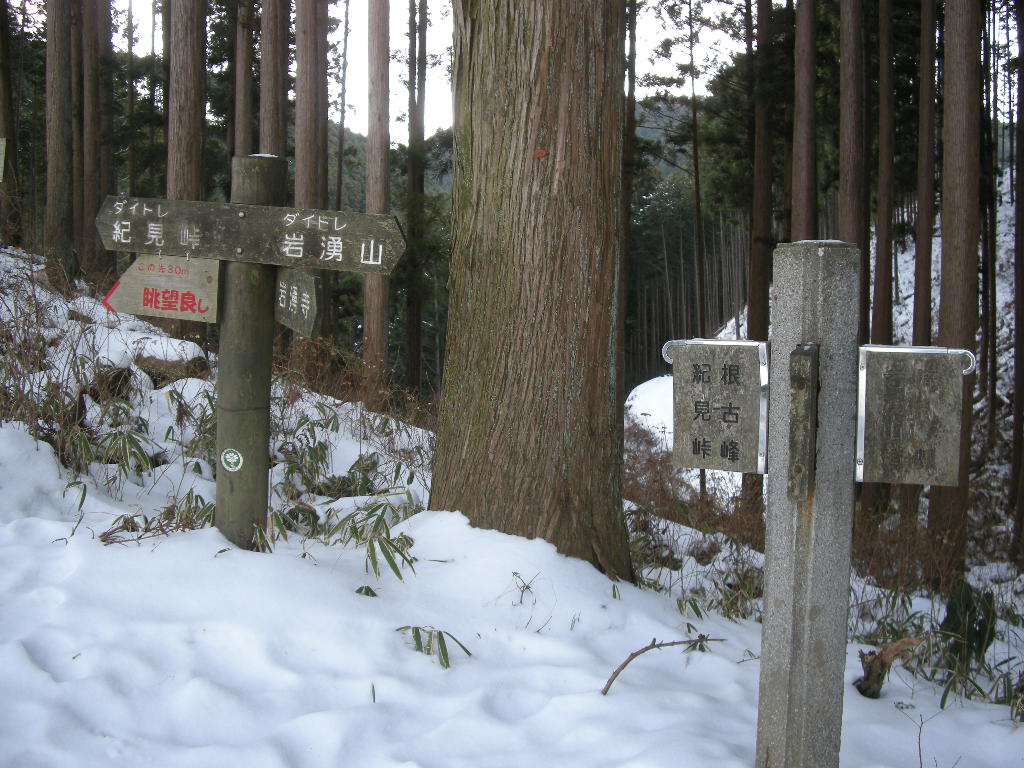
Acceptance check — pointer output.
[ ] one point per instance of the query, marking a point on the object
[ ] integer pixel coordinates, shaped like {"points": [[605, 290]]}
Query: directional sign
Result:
{"points": [[167, 286], [909, 413], [298, 301], [288, 237], [720, 403]]}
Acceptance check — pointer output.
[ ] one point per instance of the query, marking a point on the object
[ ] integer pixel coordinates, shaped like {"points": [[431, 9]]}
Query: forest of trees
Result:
{"points": [[854, 120]]}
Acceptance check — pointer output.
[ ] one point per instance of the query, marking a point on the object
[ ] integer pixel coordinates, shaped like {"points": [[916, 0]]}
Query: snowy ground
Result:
{"points": [[181, 650]]}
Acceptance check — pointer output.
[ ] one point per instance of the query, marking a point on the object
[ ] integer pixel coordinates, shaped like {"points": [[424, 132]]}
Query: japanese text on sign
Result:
{"points": [[720, 404]]}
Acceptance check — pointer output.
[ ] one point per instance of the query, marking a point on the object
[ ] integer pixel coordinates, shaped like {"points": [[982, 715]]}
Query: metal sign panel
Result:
{"points": [[260, 234], [298, 302], [720, 395], [167, 286], [909, 414]]}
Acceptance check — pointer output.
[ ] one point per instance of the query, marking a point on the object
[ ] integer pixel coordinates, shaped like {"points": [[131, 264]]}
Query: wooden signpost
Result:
{"points": [[3, 157], [837, 414], [260, 243]]}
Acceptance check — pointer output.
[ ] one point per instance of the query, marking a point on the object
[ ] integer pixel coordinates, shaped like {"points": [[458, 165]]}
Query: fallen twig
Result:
{"points": [[654, 644]]}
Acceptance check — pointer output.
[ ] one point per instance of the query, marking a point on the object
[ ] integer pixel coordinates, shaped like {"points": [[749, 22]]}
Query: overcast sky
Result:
{"points": [[439, 41]]}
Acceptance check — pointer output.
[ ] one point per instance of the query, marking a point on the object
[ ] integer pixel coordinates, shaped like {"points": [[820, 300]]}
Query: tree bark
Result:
{"points": [[187, 115], [243, 79], [186, 102], [415, 178], [958, 299], [339, 186], [307, 103], [10, 192], [925, 179], [90, 137], [60, 262], [375, 287], [529, 439], [759, 274], [1017, 498], [805, 176], [273, 77]]}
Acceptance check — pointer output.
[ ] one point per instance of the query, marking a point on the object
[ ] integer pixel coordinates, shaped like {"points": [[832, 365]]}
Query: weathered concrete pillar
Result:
{"points": [[811, 463], [243, 380]]}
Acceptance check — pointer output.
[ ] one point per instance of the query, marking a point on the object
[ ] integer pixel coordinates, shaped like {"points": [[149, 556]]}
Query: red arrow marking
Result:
{"points": [[109, 294]]}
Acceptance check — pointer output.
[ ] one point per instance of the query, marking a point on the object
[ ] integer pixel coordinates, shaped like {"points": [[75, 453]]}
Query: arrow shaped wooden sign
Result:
{"points": [[287, 237], [167, 286]]}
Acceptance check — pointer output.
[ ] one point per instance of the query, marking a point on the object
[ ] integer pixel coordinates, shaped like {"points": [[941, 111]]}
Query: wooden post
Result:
{"points": [[812, 416], [243, 382]]}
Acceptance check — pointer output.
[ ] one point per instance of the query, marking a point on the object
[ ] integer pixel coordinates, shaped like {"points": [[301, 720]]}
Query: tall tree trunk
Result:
{"points": [[10, 191], [307, 103], [925, 178], [130, 82], [57, 234], [881, 320], [415, 178], [698, 218], [344, 110], [77, 176], [529, 431], [187, 108], [243, 79], [1018, 308], [90, 137], [805, 177], [958, 300], [759, 275], [628, 172], [853, 213], [322, 109], [107, 182], [375, 287], [273, 77]]}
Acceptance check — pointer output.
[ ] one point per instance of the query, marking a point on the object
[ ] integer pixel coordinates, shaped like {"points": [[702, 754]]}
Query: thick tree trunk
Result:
{"points": [[805, 175], [529, 437], [273, 77], [958, 302], [375, 287], [57, 234]]}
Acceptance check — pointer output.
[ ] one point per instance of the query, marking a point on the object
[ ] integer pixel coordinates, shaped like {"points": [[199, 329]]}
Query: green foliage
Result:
{"points": [[970, 626], [431, 642]]}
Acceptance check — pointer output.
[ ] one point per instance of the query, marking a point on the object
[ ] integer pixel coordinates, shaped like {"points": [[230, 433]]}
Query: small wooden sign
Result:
{"points": [[260, 234], [720, 396], [298, 301], [909, 414], [167, 286]]}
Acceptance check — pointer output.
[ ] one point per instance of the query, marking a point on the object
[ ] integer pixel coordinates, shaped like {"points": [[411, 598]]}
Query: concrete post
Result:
{"points": [[243, 380], [809, 508]]}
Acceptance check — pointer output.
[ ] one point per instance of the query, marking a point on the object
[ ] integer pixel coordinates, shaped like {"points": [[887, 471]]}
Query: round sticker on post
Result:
{"points": [[231, 460]]}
